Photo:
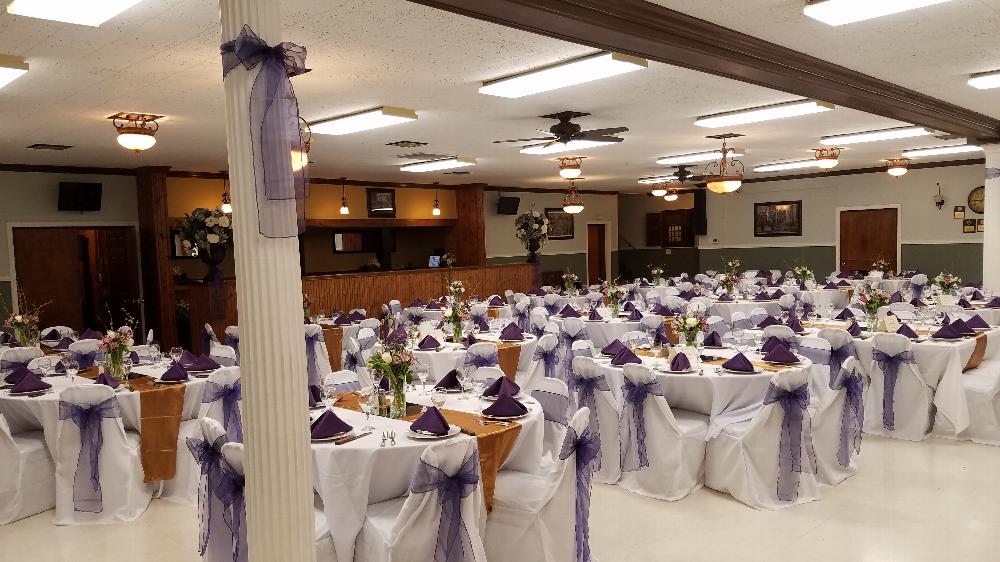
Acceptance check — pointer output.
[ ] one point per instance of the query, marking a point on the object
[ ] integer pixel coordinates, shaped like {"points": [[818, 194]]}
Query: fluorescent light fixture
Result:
{"points": [[941, 150], [81, 12], [840, 12], [985, 80], [11, 68], [364, 121], [871, 136], [697, 157], [792, 165], [765, 113], [656, 179], [573, 145], [442, 164], [559, 75]]}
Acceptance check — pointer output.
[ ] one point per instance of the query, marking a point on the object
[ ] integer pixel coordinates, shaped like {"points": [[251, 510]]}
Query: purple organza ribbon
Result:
{"points": [[207, 456], [570, 374], [352, 360], [521, 317], [596, 301], [414, 317], [453, 543], [230, 394], [852, 417], [367, 343], [11, 365], [794, 404], [207, 339], [586, 389], [889, 364], [554, 406], [916, 290], [549, 359], [229, 492], [586, 448], [274, 129], [87, 496], [478, 361], [837, 358], [312, 356], [634, 457], [552, 308]]}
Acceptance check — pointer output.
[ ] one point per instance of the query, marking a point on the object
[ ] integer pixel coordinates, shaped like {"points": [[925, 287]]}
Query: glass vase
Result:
{"points": [[456, 332], [114, 365], [872, 319], [397, 404], [23, 336]]}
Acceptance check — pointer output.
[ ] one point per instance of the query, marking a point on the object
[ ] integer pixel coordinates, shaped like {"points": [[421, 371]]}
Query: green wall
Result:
{"points": [[5, 298], [964, 260], [821, 259], [635, 262]]}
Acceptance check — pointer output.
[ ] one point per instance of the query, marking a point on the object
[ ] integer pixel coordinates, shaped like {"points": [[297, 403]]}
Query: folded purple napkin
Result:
{"points": [[946, 320], [762, 296], [502, 385], [680, 362], [482, 324], [416, 302], [594, 315], [536, 292], [977, 295], [739, 362], [89, 334], [634, 316], [629, 306], [977, 322], [772, 342], [433, 305], [896, 297], [342, 320], [661, 310], [781, 354], [429, 342], [431, 421], [175, 373], [947, 332], [624, 357], [327, 425], [713, 339], [794, 323], [613, 348], [469, 340], [134, 357], [506, 406], [106, 380], [187, 358], [843, 283], [962, 302], [60, 368], [511, 332], [768, 321], [356, 316], [569, 312], [16, 375], [995, 303], [854, 329], [917, 303], [777, 294], [5, 337], [51, 334], [315, 395], [686, 295], [906, 330], [202, 363], [496, 301], [845, 314], [449, 381], [30, 383], [961, 327], [857, 275], [830, 285], [725, 297], [384, 384], [397, 336]]}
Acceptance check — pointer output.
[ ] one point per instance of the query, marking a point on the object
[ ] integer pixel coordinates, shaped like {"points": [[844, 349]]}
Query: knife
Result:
{"points": [[351, 438]]}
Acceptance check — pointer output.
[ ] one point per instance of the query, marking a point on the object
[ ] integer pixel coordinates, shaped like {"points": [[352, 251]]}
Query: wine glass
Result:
{"points": [[438, 398], [463, 379], [175, 354], [422, 372], [154, 354], [72, 368], [44, 364], [478, 386], [367, 399]]}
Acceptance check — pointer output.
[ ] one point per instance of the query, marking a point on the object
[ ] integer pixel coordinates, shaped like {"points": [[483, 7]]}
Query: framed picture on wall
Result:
{"points": [[959, 212], [381, 202], [777, 218], [968, 226], [560, 224], [979, 225]]}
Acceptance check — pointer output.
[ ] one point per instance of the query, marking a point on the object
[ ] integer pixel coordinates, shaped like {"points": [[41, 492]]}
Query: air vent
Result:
{"points": [[407, 144], [43, 146], [458, 173], [423, 156]]}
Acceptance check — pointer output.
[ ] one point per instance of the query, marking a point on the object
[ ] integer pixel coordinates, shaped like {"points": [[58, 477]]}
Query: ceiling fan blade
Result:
{"points": [[598, 138], [603, 132], [524, 140]]}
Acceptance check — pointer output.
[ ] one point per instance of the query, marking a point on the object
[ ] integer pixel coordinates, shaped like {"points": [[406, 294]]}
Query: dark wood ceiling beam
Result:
{"points": [[647, 30]]}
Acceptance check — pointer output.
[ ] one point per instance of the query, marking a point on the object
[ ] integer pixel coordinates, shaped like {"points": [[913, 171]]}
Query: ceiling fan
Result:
{"points": [[565, 131]]}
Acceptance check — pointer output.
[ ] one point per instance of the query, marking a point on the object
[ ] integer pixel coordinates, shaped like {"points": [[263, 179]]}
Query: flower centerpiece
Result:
{"points": [[457, 310], [656, 272], [616, 293], [729, 282], [532, 229], [688, 325], [24, 324], [732, 267], [882, 265], [872, 299], [448, 260], [116, 345], [206, 234], [948, 283], [307, 303], [803, 274], [393, 363], [569, 280]]}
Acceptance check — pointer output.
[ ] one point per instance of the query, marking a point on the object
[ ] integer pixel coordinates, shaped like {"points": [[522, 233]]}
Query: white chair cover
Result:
{"points": [[11, 358], [222, 400], [489, 375], [595, 299], [545, 363], [342, 381], [837, 425], [593, 392], [739, 321], [27, 474], [522, 314], [897, 400], [372, 323], [317, 356], [551, 303], [481, 354], [757, 314], [367, 338], [395, 307], [663, 452], [224, 355], [817, 351], [121, 494], [572, 330], [553, 396], [215, 539], [233, 340], [982, 392], [85, 352], [539, 318], [61, 331], [717, 324]]}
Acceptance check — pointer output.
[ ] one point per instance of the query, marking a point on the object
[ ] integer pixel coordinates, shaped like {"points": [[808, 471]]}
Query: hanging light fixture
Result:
{"points": [[671, 196], [569, 167], [227, 203], [573, 201], [136, 130], [436, 209], [726, 174], [300, 158], [659, 190], [344, 209], [897, 166], [827, 158]]}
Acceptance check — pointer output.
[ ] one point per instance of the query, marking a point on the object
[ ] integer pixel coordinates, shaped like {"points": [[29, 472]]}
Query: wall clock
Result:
{"points": [[976, 199]]}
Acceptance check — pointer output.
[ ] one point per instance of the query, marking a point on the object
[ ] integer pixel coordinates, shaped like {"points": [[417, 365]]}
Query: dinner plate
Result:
{"points": [[448, 390], [506, 418], [519, 396], [438, 348], [333, 437], [685, 372], [512, 341], [453, 430], [30, 394], [715, 347], [951, 340], [169, 382], [755, 371], [200, 374], [782, 363]]}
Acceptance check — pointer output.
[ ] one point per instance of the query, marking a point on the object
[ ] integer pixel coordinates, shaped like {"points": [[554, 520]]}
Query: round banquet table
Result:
{"points": [[452, 355], [603, 332], [726, 309], [352, 476], [578, 302], [892, 285], [837, 298]]}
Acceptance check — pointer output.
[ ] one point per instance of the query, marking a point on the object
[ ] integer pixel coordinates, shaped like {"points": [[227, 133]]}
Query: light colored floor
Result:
{"points": [[911, 502]]}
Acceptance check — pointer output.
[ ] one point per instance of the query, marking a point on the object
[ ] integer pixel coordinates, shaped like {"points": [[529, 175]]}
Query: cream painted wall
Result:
{"points": [[500, 239]]}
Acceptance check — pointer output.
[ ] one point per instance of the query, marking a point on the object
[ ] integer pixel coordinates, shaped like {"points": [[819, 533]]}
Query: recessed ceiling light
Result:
{"points": [[696, 157], [82, 12], [792, 165], [881, 135], [573, 145], [559, 75], [941, 150], [364, 120], [985, 80], [656, 179], [11, 68], [765, 113], [840, 12], [443, 164]]}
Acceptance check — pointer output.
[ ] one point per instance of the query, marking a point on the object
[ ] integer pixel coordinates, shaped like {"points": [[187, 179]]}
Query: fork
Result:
{"points": [[392, 438], [385, 436]]}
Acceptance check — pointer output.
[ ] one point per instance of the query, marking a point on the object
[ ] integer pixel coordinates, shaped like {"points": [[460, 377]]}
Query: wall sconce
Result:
{"points": [[938, 199]]}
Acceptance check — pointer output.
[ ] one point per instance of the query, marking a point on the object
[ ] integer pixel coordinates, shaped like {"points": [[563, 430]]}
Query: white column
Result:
{"points": [[991, 221], [278, 462]]}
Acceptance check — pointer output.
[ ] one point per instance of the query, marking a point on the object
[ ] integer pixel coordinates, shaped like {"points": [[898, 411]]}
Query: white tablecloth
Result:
{"points": [[604, 332], [726, 309], [452, 356], [836, 298], [892, 285], [578, 302]]}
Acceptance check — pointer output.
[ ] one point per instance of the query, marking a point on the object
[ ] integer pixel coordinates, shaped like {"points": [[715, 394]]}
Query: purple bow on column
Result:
{"points": [[207, 456], [312, 357], [453, 544], [477, 361], [274, 129], [230, 394], [229, 491], [87, 496], [793, 403], [585, 397], [549, 359], [890, 371], [634, 457], [852, 417], [586, 448]]}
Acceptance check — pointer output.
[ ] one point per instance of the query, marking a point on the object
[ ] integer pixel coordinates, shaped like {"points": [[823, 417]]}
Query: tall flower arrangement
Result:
{"points": [[116, 344], [202, 229], [882, 265], [532, 229], [803, 273], [457, 310], [688, 325], [656, 272], [732, 267], [569, 280], [394, 363], [616, 293], [947, 281], [871, 299], [24, 324]]}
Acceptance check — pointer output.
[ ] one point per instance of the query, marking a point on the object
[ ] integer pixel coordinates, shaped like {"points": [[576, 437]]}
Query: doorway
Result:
{"points": [[81, 274], [596, 247], [867, 235]]}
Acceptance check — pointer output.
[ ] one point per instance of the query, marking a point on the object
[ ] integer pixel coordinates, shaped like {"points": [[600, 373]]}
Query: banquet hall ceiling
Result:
{"points": [[161, 57]]}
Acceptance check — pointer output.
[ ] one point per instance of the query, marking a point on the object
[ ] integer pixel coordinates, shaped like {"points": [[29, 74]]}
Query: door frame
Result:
{"points": [[899, 229], [607, 249], [73, 224]]}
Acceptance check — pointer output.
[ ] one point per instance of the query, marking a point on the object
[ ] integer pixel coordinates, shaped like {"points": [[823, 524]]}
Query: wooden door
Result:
{"points": [[116, 261], [868, 235], [596, 265], [50, 265]]}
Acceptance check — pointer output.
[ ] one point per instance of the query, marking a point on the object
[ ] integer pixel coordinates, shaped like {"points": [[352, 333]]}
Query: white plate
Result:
{"points": [[520, 396], [30, 394], [685, 372], [332, 437], [438, 348], [448, 390], [950, 340], [506, 418], [756, 371], [513, 341], [169, 382], [453, 430]]}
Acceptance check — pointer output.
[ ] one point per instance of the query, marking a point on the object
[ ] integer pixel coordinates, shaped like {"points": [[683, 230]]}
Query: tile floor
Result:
{"points": [[932, 501]]}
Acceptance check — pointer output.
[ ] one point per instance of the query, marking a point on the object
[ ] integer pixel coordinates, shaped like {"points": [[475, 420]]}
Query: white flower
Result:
{"points": [[212, 238], [224, 221], [535, 214], [691, 322], [111, 333], [130, 342], [386, 357], [446, 312], [18, 318]]}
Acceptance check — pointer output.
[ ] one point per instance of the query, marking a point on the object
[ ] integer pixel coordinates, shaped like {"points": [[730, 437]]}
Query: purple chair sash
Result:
{"points": [[87, 495], [551, 308], [229, 492], [889, 364], [312, 356], [554, 406], [230, 394], [414, 317], [352, 360], [207, 339], [521, 318], [11, 365], [837, 358], [453, 543], [86, 360], [634, 457], [916, 290], [586, 448], [274, 129], [478, 361], [549, 359], [208, 457], [367, 343], [794, 404], [585, 396], [852, 418]]}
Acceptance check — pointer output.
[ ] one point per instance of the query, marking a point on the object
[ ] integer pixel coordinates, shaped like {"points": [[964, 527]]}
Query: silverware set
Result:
{"points": [[389, 436]]}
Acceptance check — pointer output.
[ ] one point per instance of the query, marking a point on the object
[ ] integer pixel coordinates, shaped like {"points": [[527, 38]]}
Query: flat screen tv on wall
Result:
{"points": [[79, 197]]}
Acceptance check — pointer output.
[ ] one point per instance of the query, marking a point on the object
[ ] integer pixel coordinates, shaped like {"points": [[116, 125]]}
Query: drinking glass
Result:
{"points": [[154, 354], [438, 398], [72, 368], [44, 364], [368, 400], [464, 376], [175, 354], [422, 372], [738, 334]]}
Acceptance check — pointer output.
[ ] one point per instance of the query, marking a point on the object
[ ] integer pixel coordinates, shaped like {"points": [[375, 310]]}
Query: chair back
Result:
{"points": [[60, 332], [740, 321], [545, 361], [208, 337], [817, 350], [224, 355], [13, 357], [222, 400], [592, 391], [488, 375], [10, 495], [342, 381], [317, 356], [894, 396], [372, 323], [553, 396], [86, 352], [367, 338], [233, 340], [717, 324], [481, 354], [837, 424], [758, 314], [644, 412], [595, 299], [395, 307]]}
